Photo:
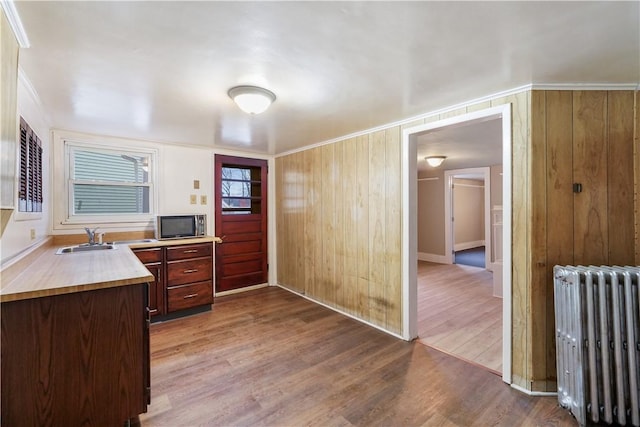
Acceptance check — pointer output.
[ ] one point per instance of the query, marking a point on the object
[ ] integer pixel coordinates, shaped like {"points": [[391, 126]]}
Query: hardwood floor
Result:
{"points": [[269, 357], [458, 314]]}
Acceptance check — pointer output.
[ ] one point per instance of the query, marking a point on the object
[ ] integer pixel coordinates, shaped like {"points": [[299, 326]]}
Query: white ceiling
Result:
{"points": [[466, 145], [161, 70]]}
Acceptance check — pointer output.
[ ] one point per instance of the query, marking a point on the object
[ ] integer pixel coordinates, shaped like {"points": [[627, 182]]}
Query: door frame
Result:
{"points": [[449, 176], [410, 224]]}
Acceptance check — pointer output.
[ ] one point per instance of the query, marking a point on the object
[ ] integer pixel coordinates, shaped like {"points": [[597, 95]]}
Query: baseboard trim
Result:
{"points": [[440, 259], [337, 310], [534, 393], [239, 290], [468, 245]]}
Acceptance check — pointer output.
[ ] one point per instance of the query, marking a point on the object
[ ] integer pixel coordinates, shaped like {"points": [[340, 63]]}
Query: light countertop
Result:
{"points": [[48, 274]]}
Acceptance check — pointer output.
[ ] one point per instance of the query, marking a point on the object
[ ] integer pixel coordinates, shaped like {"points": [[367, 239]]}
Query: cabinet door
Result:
{"points": [[156, 289], [153, 260], [8, 130]]}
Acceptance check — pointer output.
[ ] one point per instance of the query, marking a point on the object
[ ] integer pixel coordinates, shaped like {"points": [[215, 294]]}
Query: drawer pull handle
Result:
{"points": [[189, 296], [190, 251], [195, 270]]}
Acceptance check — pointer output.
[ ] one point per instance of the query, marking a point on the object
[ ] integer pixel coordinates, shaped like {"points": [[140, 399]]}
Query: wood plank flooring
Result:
{"points": [[271, 358], [458, 314]]}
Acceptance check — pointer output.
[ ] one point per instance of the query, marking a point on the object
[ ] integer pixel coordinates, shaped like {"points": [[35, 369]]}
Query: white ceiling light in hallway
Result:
{"points": [[252, 99], [435, 161]]}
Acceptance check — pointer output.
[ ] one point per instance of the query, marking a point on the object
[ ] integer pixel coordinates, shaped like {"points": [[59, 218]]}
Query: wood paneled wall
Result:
{"points": [[339, 225], [339, 220], [583, 137]]}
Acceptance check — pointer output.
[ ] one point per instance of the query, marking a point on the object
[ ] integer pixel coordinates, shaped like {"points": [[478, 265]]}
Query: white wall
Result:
{"points": [[17, 234], [179, 166], [431, 234]]}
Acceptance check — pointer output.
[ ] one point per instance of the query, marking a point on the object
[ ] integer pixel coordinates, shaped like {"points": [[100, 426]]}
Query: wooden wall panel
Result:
{"points": [[362, 225], [589, 148], [299, 185], [558, 120], [280, 230], [376, 233], [393, 229], [308, 211], [540, 294], [351, 209], [314, 221], [328, 205], [558, 243], [348, 235], [619, 178], [338, 181]]}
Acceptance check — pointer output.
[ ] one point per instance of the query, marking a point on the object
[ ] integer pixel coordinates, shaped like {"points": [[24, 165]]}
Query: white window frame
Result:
{"points": [[142, 219]]}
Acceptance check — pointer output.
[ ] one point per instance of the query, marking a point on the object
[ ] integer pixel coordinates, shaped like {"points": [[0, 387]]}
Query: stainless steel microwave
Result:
{"points": [[181, 226]]}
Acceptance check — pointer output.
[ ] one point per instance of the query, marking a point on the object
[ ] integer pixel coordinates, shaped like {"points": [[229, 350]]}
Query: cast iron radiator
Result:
{"points": [[598, 343]]}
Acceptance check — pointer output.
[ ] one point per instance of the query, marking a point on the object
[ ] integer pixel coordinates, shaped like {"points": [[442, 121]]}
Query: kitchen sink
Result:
{"points": [[84, 248]]}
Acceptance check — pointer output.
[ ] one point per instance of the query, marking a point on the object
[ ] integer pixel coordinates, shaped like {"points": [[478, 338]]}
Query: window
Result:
{"points": [[114, 184], [30, 177], [241, 190]]}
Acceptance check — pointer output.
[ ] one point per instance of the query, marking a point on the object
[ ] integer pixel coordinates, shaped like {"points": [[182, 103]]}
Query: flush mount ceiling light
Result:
{"points": [[252, 99], [435, 161]]}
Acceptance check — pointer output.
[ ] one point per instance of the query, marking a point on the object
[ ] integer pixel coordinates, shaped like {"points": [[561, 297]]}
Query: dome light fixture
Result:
{"points": [[435, 161], [252, 99]]}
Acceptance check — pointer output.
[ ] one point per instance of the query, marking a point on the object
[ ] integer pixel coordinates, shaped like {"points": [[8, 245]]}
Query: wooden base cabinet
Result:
{"points": [[153, 259], [184, 276], [76, 359], [189, 276]]}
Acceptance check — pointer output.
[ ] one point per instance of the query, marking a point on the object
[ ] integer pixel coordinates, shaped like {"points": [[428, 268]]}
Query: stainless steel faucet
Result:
{"points": [[91, 234]]}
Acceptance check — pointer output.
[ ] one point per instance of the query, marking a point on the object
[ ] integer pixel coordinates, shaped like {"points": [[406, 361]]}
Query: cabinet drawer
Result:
{"points": [[195, 270], [189, 251], [188, 296], [149, 254]]}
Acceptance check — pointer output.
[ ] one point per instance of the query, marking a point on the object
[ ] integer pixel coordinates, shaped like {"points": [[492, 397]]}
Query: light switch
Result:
{"points": [[196, 184], [203, 199], [193, 199]]}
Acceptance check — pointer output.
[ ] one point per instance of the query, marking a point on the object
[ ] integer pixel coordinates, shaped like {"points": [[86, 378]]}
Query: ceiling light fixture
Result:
{"points": [[435, 161], [252, 99]]}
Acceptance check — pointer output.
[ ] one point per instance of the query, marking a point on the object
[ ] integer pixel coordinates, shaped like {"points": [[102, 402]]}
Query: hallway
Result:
{"points": [[458, 315]]}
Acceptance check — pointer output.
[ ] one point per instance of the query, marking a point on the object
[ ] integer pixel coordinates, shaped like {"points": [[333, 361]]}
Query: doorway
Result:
{"points": [[409, 207], [241, 220], [468, 216]]}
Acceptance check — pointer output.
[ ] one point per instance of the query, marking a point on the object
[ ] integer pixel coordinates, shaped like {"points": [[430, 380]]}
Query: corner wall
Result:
{"points": [[332, 245]]}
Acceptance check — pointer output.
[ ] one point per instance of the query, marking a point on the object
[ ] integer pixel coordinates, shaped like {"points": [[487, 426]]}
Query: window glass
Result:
{"points": [[109, 182]]}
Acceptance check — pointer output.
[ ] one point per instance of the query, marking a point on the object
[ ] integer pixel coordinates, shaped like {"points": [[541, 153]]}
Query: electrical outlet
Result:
{"points": [[196, 184], [193, 199], [32, 233], [203, 199]]}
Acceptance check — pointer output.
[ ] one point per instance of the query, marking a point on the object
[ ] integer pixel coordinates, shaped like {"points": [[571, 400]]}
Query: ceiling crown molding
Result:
{"points": [[16, 24], [585, 86]]}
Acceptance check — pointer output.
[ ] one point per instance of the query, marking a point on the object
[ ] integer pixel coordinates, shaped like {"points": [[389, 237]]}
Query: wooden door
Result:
{"points": [[241, 222]]}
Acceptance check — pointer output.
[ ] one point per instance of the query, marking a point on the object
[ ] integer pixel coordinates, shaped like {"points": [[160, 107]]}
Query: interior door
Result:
{"points": [[241, 222]]}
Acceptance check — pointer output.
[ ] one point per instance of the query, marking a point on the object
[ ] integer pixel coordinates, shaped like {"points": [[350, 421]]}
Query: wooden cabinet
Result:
{"points": [[153, 259], [184, 276], [189, 276], [8, 131], [76, 359]]}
